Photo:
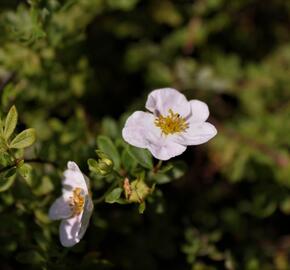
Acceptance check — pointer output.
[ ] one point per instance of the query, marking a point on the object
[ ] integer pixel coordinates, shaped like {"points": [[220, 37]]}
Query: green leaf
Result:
{"points": [[128, 161], [31, 257], [3, 146], [1, 127], [93, 165], [162, 178], [25, 171], [10, 122], [142, 207], [24, 139], [179, 169], [106, 145], [142, 156], [45, 186], [114, 195], [7, 179], [110, 127]]}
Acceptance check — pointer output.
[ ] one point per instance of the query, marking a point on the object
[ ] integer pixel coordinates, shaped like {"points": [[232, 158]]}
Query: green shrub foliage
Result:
{"points": [[71, 71]]}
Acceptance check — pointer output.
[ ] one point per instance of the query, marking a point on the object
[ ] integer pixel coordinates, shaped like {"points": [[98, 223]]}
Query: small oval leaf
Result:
{"points": [[142, 156], [24, 139], [7, 180], [114, 195], [106, 145], [10, 122]]}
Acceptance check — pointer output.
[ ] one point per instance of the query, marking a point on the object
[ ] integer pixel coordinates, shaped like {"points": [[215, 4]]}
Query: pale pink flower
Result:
{"points": [[172, 124], [74, 207]]}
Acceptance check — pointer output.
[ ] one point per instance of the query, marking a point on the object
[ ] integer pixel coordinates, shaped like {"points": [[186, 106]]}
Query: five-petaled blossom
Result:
{"points": [[173, 124], [74, 207]]}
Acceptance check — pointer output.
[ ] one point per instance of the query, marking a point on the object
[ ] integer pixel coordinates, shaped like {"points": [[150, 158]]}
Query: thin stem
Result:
{"points": [[158, 166], [34, 160], [42, 161]]}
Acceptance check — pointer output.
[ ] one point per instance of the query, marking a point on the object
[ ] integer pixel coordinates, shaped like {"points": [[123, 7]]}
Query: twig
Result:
{"points": [[42, 161], [34, 160], [157, 167]]}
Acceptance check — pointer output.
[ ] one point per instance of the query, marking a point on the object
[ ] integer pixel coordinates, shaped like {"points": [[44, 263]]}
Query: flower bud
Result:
{"points": [[103, 166]]}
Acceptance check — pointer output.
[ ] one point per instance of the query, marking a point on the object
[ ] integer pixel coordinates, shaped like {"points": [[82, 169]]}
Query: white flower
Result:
{"points": [[74, 207], [173, 124]]}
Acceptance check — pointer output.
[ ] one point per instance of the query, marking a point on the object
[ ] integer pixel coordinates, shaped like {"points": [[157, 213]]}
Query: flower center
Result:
{"points": [[77, 201], [171, 123]]}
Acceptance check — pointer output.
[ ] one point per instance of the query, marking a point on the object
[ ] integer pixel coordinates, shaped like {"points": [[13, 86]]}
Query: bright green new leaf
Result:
{"points": [[10, 122], [106, 145], [142, 156], [114, 195], [93, 165], [142, 207], [24, 139]]}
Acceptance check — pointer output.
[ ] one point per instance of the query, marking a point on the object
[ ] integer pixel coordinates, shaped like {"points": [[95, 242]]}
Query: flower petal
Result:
{"points": [[166, 149], [88, 210], [59, 209], [197, 133], [160, 101], [139, 129], [199, 111], [73, 177], [69, 231]]}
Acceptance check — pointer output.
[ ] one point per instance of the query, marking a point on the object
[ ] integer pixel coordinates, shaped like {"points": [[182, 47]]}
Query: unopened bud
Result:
{"points": [[103, 166]]}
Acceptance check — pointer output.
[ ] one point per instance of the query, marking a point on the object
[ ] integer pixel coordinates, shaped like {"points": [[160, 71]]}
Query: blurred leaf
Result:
{"points": [[32, 257], [285, 206], [162, 178], [25, 172], [179, 169], [44, 186], [142, 207], [10, 122], [110, 127], [164, 11], [122, 4], [7, 179], [24, 139]]}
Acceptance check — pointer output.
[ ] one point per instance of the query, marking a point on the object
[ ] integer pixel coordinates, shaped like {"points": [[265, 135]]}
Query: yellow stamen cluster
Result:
{"points": [[171, 123], [77, 201]]}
